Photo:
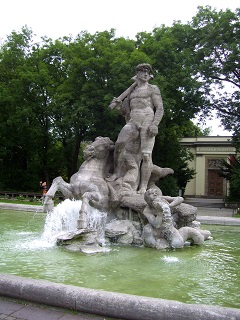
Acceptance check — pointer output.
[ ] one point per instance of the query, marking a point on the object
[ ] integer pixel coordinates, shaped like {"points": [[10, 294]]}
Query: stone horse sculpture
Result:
{"points": [[88, 184]]}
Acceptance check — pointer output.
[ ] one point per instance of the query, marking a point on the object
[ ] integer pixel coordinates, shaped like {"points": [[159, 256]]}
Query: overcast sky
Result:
{"points": [[55, 19]]}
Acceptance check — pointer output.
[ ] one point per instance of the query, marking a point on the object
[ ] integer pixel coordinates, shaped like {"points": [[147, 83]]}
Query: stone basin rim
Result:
{"points": [[124, 306]]}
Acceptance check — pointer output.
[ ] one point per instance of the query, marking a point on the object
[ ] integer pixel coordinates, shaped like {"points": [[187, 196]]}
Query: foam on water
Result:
{"points": [[34, 244], [24, 233], [170, 259]]}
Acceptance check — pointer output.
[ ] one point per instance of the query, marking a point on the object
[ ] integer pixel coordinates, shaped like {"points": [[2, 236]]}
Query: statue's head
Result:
{"points": [[99, 148], [150, 195], [144, 67], [144, 71]]}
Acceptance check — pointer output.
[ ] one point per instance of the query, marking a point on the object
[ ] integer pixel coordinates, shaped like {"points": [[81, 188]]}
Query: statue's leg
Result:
{"points": [[58, 184], [131, 176], [90, 195], [147, 144], [146, 169], [128, 134], [117, 160], [82, 221]]}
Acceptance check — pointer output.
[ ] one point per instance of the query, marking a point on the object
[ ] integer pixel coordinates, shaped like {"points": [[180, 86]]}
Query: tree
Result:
{"points": [[216, 55], [55, 97], [183, 173], [231, 172], [17, 132], [28, 85]]}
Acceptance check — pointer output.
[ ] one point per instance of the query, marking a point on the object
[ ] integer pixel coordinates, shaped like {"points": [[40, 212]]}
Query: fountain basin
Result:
{"points": [[207, 274]]}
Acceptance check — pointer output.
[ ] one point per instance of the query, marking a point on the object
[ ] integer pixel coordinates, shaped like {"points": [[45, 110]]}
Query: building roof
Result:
{"points": [[207, 141], [210, 145]]}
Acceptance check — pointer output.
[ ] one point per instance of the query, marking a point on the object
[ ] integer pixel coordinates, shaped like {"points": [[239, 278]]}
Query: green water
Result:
{"points": [[206, 274]]}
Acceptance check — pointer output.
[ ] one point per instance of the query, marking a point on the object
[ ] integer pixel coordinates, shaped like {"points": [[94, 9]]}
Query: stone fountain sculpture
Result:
{"points": [[120, 178]]}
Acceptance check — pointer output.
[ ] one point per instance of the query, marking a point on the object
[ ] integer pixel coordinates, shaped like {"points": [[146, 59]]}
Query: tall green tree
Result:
{"points": [[16, 130], [28, 85], [216, 54]]}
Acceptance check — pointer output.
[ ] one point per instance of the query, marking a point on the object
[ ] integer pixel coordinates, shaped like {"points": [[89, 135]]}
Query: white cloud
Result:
{"points": [[60, 18]]}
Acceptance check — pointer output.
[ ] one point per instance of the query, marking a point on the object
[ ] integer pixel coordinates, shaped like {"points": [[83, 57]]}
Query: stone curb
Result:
{"points": [[225, 221], [109, 304], [21, 207]]}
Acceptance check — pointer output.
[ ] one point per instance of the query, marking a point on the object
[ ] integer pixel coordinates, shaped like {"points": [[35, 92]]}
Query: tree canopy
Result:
{"points": [[216, 62], [55, 93]]}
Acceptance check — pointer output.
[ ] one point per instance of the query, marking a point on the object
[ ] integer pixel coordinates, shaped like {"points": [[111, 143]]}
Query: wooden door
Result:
{"points": [[215, 184]]}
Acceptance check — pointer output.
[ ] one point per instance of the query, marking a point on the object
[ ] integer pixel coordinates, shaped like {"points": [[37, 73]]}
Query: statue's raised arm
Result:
{"points": [[123, 95]]}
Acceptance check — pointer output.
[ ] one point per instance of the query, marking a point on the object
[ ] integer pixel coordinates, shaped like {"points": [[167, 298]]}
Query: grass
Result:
{"points": [[237, 215], [22, 201], [29, 201]]}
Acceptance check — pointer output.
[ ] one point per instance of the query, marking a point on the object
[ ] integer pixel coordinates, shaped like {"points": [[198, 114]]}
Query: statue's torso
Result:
{"points": [[141, 98]]}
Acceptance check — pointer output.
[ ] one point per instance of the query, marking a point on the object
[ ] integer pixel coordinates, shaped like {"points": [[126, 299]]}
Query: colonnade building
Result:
{"points": [[208, 152]]}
